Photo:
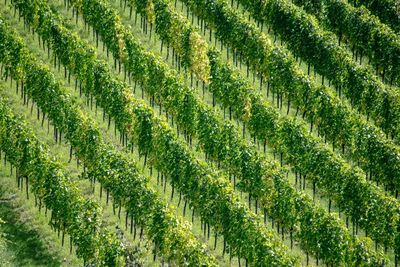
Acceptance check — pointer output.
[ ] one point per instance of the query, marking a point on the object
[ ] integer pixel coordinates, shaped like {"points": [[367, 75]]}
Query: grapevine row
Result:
{"points": [[380, 43], [284, 134], [335, 120], [310, 164], [302, 33], [173, 28], [363, 89], [212, 131], [238, 90], [388, 11], [116, 173], [144, 72], [71, 212], [308, 156], [240, 228]]}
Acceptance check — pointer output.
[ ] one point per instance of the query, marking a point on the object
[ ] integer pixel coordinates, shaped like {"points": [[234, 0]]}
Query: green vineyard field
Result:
{"points": [[199, 133]]}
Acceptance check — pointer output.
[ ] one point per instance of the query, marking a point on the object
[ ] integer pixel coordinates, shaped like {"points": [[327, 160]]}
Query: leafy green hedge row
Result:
{"points": [[371, 37], [115, 171], [334, 118], [306, 39], [141, 72], [195, 180], [388, 11], [312, 226], [70, 211], [304, 152]]}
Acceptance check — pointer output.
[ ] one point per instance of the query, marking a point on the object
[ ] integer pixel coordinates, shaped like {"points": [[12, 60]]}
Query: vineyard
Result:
{"points": [[199, 133]]}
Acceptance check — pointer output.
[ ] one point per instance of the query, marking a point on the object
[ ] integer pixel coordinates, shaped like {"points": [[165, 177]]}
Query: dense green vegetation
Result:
{"points": [[341, 136]]}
